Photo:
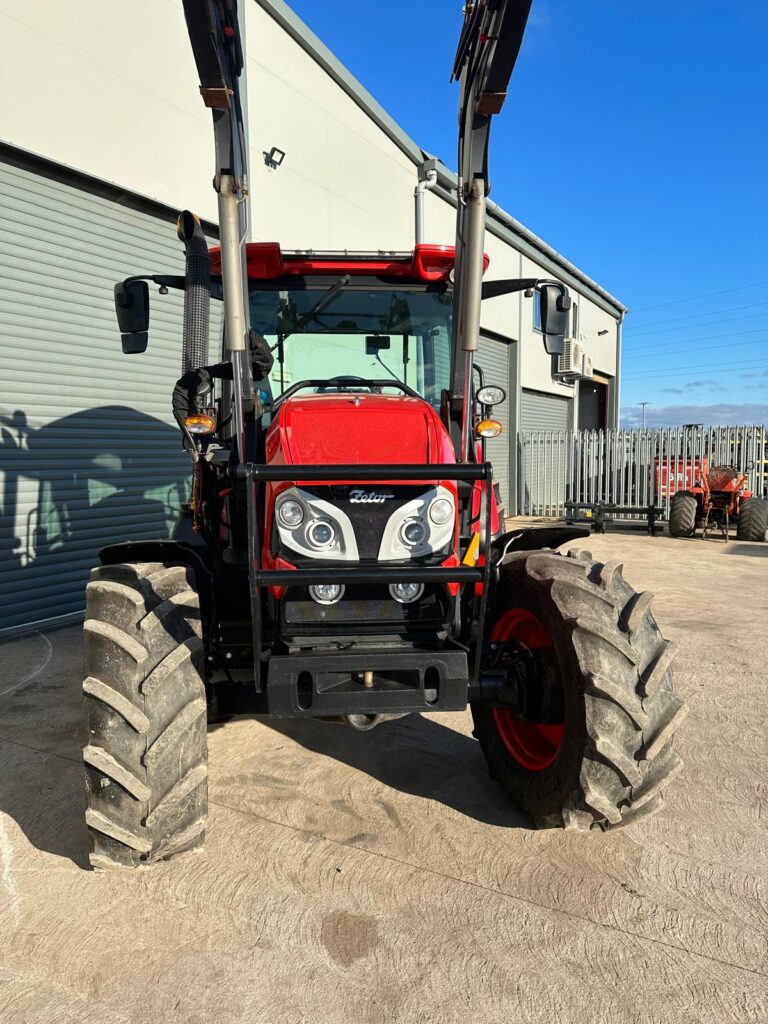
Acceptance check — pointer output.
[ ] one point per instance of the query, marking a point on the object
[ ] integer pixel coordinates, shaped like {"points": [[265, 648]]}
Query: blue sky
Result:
{"points": [[635, 141]]}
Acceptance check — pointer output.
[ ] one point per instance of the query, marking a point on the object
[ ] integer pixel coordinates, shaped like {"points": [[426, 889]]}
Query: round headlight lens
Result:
{"points": [[321, 534], [491, 394], [326, 593], [441, 511], [413, 532], [290, 513], [406, 593]]}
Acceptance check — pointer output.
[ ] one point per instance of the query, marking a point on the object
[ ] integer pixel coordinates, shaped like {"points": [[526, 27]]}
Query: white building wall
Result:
{"points": [[343, 183], [111, 90]]}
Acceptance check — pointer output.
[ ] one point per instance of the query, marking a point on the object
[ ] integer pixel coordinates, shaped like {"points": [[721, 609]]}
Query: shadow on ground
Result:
{"points": [[750, 550], [42, 781], [417, 755]]}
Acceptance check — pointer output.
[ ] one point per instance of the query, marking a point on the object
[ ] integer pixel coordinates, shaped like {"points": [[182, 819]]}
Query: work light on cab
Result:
{"points": [[491, 394]]}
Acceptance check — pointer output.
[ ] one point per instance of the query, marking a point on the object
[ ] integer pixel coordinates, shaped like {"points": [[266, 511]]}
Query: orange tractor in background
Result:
{"points": [[717, 499]]}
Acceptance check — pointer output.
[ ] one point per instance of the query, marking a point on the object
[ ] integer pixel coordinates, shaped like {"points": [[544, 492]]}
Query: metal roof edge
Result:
{"points": [[503, 224]]}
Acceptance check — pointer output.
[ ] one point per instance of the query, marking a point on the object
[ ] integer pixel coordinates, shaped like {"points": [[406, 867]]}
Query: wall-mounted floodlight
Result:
{"points": [[274, 158], [601, 333]]}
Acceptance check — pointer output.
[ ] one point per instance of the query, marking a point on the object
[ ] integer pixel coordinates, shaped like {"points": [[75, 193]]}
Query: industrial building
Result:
{"points": [[105, 140]]}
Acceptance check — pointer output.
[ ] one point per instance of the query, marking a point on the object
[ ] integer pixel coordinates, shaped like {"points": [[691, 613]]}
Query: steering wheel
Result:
{"points": [[346, 382]]}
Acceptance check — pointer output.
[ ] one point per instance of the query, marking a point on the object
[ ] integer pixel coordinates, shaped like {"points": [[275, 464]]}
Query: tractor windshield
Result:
{"points": [[324, 327]]}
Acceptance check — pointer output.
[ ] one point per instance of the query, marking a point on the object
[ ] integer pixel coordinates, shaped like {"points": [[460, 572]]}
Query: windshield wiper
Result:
{"points": [[319, 306]]}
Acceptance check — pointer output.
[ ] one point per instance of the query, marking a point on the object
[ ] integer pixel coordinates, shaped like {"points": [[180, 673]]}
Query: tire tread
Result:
{"points": [[144, 698], [630, 710]]}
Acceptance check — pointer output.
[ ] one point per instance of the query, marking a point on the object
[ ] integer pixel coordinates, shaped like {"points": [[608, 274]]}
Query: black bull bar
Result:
{"points": [[255, 475]]}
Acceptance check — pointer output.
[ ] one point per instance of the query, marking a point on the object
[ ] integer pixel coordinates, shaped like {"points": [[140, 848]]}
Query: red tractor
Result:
{"points": [[719, 498], [341, 555]]}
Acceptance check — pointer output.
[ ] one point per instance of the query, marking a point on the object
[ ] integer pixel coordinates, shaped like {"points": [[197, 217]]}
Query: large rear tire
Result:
{"points": [[753, 520], [609, 759], [683, 511], [146, 758]]}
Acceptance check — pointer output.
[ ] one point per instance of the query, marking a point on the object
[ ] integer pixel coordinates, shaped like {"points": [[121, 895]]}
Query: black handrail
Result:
{"points": [[466, 472]]}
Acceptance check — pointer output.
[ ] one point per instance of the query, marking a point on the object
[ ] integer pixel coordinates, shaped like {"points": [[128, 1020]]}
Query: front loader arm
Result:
{"points": [[214, 33], [488, 47]]}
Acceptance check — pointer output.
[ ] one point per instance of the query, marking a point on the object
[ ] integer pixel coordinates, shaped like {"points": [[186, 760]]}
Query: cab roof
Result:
{"points": [[266, 260]]}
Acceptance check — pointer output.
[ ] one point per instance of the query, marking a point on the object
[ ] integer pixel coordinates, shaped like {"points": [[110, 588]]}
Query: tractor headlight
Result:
{"points": [[406, 593], [313, 527], [321, 533], [290, 513], [441, 511], [421, 527], [326, 593], [413, 532]]}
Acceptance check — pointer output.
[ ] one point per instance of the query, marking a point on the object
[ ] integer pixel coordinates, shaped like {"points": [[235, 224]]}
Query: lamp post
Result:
{"points": [[643, 405]]}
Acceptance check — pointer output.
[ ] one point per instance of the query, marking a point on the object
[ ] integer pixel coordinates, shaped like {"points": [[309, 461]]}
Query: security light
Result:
{"points": [[274, 157]]}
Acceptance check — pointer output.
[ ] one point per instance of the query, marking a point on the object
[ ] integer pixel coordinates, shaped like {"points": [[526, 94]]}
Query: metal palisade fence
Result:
{"points": [[631, 467]]}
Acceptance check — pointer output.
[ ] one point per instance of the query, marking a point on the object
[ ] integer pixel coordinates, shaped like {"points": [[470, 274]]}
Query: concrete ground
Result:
{"points": [[384, 878]]}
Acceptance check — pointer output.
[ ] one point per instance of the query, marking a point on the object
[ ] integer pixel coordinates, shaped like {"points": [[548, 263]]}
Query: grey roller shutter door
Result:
{"points": [[89, 453], [543, 412], [543, 456], [494, 356]]}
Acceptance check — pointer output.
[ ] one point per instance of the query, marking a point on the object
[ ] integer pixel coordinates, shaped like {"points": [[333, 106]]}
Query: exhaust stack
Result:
{"points": [[197, 294]]}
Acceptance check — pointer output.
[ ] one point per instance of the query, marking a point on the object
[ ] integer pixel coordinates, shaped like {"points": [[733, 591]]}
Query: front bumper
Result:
{"points": [[370, 682]]}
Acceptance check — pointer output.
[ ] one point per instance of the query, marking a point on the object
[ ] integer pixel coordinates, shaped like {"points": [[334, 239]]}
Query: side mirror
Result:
{"points": [[132, 309], [555, 305]]}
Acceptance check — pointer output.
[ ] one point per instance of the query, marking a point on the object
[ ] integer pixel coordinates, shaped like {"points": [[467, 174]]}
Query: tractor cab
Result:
{"points": [[344, 319]]}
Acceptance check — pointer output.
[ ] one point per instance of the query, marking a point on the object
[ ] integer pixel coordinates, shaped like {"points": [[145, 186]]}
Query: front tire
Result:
{"points": [[145, 709], [753, 520], [609, 759], [683, 512]]}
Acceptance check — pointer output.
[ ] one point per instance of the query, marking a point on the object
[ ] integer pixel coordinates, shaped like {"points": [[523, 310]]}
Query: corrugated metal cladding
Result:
{"points": [[88, 452], [543, 412], [494, 359]]}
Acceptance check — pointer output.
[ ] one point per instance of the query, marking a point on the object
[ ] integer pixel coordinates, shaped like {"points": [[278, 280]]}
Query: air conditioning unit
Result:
{"points": [[587, 367], [569, 363]]}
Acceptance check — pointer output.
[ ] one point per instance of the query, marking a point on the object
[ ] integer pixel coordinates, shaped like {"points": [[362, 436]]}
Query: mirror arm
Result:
{"points": [[175, 281], [163, 280], [492, 289]]}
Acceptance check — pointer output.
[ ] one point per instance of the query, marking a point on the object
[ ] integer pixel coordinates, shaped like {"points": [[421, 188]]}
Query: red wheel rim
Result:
{"points": [[534, 746]]}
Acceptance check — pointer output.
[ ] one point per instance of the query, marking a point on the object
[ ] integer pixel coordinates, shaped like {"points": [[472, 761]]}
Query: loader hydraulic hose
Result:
{"points": [[197, 294]]}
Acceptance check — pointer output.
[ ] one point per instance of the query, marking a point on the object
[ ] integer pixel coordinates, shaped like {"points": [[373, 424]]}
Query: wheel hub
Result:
{"points": [[529, 707]]}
